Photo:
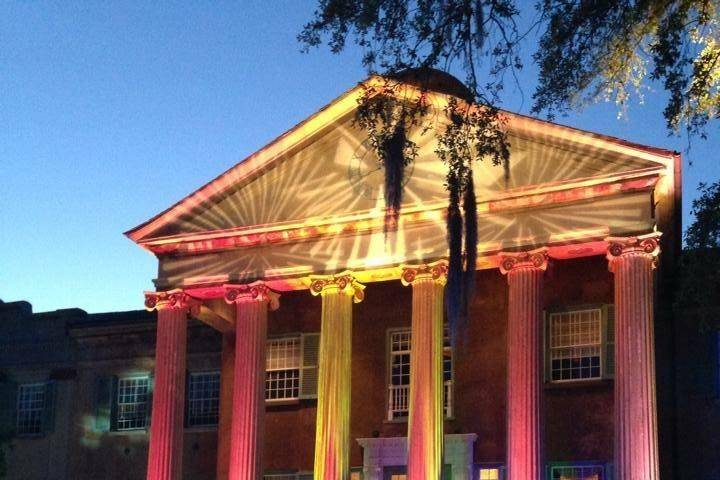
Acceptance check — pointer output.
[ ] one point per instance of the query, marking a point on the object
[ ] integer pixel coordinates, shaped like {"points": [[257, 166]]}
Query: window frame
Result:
{"points": [[287, 475], [188, 418], [499, 466], [607, 467], [606, 346], [148, 402], [41, 411], [388, 374], [301, 345]]}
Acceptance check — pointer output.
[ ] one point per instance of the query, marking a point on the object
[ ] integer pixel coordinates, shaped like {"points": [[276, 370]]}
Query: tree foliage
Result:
{"points": [[609, 49], [588, 50], [705, 230], [404, 39], [700, 285]]}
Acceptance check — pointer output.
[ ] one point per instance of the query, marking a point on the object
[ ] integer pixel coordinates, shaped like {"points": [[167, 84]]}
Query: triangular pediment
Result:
{"points": [[323, 169]]}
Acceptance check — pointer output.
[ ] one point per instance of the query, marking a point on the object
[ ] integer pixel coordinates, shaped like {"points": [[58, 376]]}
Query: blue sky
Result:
{"points": [[112, 111]]}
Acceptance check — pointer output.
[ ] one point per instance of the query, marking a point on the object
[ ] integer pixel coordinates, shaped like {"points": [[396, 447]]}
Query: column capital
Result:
{"points": [[345, 282], [535, 259], [644, 245], [171, 300], [437, 271], [251, 292]]}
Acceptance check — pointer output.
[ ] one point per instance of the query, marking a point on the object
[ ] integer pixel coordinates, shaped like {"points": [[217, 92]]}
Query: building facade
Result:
{"points": [[290, 336]]}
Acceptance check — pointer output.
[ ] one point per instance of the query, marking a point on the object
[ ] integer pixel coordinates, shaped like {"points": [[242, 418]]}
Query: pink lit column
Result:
{"points": [[227, 371], [426, 412], [524, 363], [166, 424], [248, 409], [636, 446]]}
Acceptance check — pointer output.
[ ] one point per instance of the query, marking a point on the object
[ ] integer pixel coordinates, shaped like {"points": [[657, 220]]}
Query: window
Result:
{"points": [[577, 472], [580, 344], [282, 377], [132, 402], [399, 388], [489, 474], [203, 399], [489, 471], [30, 408], [292, 368]]}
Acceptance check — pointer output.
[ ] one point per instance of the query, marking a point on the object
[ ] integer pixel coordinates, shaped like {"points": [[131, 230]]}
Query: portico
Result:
{"points": [[288, 221]]}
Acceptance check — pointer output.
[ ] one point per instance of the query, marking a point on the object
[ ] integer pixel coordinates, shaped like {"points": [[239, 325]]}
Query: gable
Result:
{"points": [[336, 174]]}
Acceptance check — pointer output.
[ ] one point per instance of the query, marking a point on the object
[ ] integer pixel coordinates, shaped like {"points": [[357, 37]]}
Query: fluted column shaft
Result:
{"points": [[525, 273], [248, 411], [636, 444], [227, 372], [166, 423], [332, 433], [426, 412]]}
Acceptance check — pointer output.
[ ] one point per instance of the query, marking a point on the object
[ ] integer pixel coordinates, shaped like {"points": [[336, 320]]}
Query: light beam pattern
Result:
{"points": [[332, 433], [426, 411]]}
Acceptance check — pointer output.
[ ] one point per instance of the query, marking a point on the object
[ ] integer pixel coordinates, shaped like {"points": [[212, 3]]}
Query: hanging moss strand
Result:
{"points": [[394, 161], [471, 241], [453, 289]]}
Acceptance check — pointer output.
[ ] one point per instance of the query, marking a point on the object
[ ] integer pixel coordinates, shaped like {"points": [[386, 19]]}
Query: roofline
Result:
{"points": [[343, 105]]}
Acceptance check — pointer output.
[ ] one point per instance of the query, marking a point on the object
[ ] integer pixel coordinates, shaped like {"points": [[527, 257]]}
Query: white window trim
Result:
{"points": [[604, 345], [189, 420], [448, 385], [605, 466], [19, 410], [120, 379], [299, 368]]}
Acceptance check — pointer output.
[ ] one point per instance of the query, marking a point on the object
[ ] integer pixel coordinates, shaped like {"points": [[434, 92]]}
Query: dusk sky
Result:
{"points": [[112, 111]]}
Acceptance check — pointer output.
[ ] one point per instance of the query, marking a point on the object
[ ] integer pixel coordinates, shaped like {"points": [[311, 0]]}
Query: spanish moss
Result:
{"points": [[454, 288], [471, 241], [394, 162]]}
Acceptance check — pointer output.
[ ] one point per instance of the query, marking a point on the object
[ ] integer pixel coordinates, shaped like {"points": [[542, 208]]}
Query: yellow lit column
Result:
{"points": [[426, 412], [332, 435]]}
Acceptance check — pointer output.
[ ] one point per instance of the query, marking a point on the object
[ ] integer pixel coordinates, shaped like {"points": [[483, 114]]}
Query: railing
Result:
{"points": [[399, 399]]}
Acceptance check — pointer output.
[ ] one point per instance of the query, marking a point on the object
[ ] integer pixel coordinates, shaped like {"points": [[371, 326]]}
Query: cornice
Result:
{"points": [[556, 193]]}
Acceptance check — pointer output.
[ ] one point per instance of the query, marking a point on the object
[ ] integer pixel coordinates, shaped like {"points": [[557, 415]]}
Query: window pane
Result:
{"points": [[578, 472], [575, 345], [399, 388], [203, 398], [132, 402], [30, 408], [489, 474], [283, 361]]}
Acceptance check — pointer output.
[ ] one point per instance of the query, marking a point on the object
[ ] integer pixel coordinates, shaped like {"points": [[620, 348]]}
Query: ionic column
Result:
{"points": [[248, 410], [524, 363], [332, 435], [227, 371], [426, 412], [166, 423], [636, 445]]}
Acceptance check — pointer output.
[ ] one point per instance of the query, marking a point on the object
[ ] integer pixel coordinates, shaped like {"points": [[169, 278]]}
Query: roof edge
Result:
{"points": [[341, 106]]}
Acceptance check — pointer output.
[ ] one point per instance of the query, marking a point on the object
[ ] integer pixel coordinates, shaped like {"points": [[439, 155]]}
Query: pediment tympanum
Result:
{"points": [[312, 201]]}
